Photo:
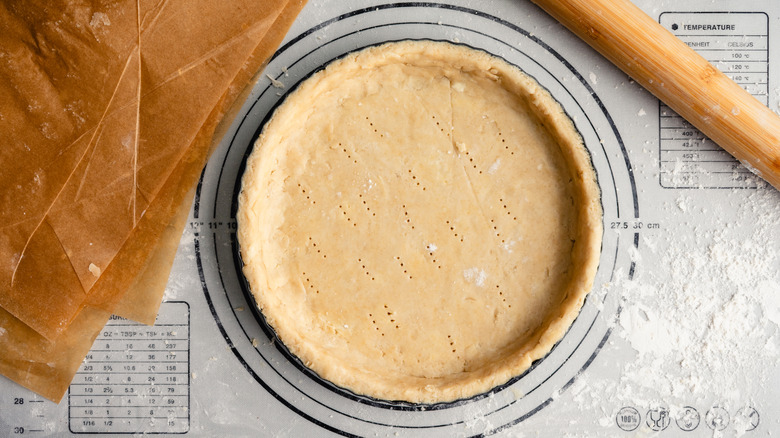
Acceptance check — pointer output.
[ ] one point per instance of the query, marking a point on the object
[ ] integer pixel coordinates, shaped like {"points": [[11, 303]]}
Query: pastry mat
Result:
{"points": [[679, 336]]}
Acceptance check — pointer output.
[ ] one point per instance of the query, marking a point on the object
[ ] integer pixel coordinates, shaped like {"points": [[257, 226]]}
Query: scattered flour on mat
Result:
{"points": [[720, 309], [702, 315], [709, 325]]}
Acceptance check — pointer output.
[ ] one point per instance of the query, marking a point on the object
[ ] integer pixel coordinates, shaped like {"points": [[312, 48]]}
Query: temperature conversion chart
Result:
{"points": [[737, 43]]}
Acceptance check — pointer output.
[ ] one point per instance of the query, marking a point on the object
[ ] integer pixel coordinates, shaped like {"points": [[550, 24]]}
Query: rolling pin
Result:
{"points": [[679, 77]]}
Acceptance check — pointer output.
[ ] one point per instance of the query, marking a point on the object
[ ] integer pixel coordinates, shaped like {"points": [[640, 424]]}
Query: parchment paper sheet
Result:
{"points": [[112, 116]]}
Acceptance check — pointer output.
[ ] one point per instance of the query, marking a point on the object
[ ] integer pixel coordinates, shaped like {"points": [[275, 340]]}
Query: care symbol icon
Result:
{"points": [[688, 419], [658, 418], [717, 418], [747, 419], [628, 419]]}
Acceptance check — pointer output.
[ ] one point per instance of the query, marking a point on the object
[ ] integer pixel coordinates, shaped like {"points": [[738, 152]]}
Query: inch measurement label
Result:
{"points": [[737, 43], [136, 378]]}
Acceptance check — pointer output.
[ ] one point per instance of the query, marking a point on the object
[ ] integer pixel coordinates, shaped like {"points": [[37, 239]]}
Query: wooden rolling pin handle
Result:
{"points": [[679, 77]]}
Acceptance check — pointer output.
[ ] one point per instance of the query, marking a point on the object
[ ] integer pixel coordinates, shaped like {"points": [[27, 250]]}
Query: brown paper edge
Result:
{"points": [[72, 346], [149, 285]]}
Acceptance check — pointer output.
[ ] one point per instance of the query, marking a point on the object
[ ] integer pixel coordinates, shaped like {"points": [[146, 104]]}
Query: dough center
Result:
{"points": [[418, 221]]}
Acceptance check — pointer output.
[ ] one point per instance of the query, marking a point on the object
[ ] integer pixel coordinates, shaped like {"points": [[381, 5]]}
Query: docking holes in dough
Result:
{"points": [[419, 221]]}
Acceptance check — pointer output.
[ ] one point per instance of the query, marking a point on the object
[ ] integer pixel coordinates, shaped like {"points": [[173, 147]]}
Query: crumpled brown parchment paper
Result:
{"points": [[111, 115]]}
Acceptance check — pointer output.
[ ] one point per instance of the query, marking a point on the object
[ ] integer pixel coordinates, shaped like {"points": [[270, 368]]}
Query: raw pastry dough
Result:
{"points": [[419, 221]]}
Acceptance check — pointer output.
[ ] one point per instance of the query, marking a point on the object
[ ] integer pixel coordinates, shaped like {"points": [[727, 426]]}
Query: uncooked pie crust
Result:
{"points": [[419, 221]]}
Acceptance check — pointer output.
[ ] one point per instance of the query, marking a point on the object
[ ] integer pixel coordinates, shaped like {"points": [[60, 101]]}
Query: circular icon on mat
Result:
{"points": [[658, 418], [717, 418], [628, 419], [747, 419], [688, 419]]}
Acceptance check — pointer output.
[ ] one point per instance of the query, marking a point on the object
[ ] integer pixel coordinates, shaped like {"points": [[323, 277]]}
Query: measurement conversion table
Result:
{"points": [[136, 377]]}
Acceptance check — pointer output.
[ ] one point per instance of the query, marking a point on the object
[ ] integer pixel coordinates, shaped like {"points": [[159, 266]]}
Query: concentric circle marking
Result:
{"points": [[253, 342]]}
